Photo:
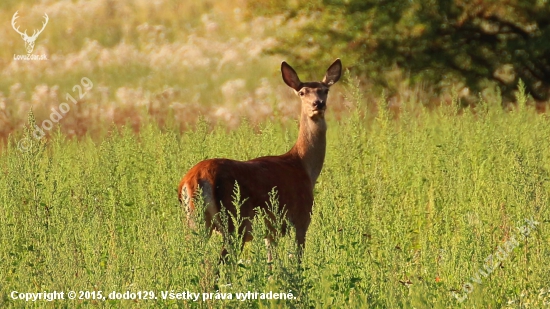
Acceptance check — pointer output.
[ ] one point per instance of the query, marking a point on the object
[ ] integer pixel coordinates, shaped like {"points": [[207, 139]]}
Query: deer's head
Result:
{"points": [[29, 40], [313, 94]]}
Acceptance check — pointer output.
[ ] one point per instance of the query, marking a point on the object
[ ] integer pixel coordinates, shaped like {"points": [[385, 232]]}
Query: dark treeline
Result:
{"points": [[480, 44]]}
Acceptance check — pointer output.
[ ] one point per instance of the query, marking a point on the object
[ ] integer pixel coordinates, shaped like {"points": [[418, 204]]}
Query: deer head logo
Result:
{"points": [[29, 40]]}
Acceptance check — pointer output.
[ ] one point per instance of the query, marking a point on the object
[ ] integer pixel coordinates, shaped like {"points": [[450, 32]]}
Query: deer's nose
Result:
{"points": [[318, 104]]}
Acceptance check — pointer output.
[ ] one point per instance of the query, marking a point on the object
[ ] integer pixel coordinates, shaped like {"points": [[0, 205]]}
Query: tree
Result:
{"points": [[440, 41]]}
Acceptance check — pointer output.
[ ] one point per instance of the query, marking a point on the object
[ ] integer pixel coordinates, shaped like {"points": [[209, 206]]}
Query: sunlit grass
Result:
{"points": [[191, 50], [406, 212], [409, 205]]}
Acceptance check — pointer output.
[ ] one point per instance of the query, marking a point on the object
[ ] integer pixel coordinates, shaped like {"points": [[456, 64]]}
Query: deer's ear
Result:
{"points": [[333, 73], [290, 77]]}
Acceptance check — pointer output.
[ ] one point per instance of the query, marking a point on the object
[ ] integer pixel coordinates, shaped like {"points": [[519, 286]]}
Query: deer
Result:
{"points": [[293, 174], [29, 40]]}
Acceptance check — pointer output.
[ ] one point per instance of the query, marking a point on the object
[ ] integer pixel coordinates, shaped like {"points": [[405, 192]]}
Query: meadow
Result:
{"points": [[407, 211], [416, 207], [162, 61]]}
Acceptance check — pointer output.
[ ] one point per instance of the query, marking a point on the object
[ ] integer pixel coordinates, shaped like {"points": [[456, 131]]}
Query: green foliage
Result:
{"points": [[442, 42], [405, 212]]}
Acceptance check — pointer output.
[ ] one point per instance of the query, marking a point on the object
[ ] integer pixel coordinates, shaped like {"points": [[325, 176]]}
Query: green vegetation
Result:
{"points": [[477, 43], [411, 203], [406, 211], [170, 58]]}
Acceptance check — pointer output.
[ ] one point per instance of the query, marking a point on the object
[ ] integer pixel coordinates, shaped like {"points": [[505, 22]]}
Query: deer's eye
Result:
{"points": [[325, 91], [301, 93]]}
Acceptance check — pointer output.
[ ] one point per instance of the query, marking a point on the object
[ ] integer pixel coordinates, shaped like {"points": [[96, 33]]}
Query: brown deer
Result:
{"points": [[292, 174]]}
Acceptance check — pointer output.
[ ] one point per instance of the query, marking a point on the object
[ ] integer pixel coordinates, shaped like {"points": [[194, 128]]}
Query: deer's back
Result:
{"points": [[256, 178]]}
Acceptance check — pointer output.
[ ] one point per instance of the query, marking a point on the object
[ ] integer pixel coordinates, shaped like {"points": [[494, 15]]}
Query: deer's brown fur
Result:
{"points": [[294, 173]]}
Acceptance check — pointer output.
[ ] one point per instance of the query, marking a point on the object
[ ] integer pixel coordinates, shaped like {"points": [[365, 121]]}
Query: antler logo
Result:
{"points": [[29, 40]]}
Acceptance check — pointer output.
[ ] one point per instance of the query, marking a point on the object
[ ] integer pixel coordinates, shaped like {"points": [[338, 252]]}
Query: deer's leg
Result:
{"points": [[268, 248], [223, 256], [301, 238]]}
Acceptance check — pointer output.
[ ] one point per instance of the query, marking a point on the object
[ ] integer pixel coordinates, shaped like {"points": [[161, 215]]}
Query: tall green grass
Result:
{"points": [[406, 212]]}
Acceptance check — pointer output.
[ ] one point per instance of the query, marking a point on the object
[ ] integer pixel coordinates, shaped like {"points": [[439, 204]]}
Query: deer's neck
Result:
{"points": [[311, 145]]}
